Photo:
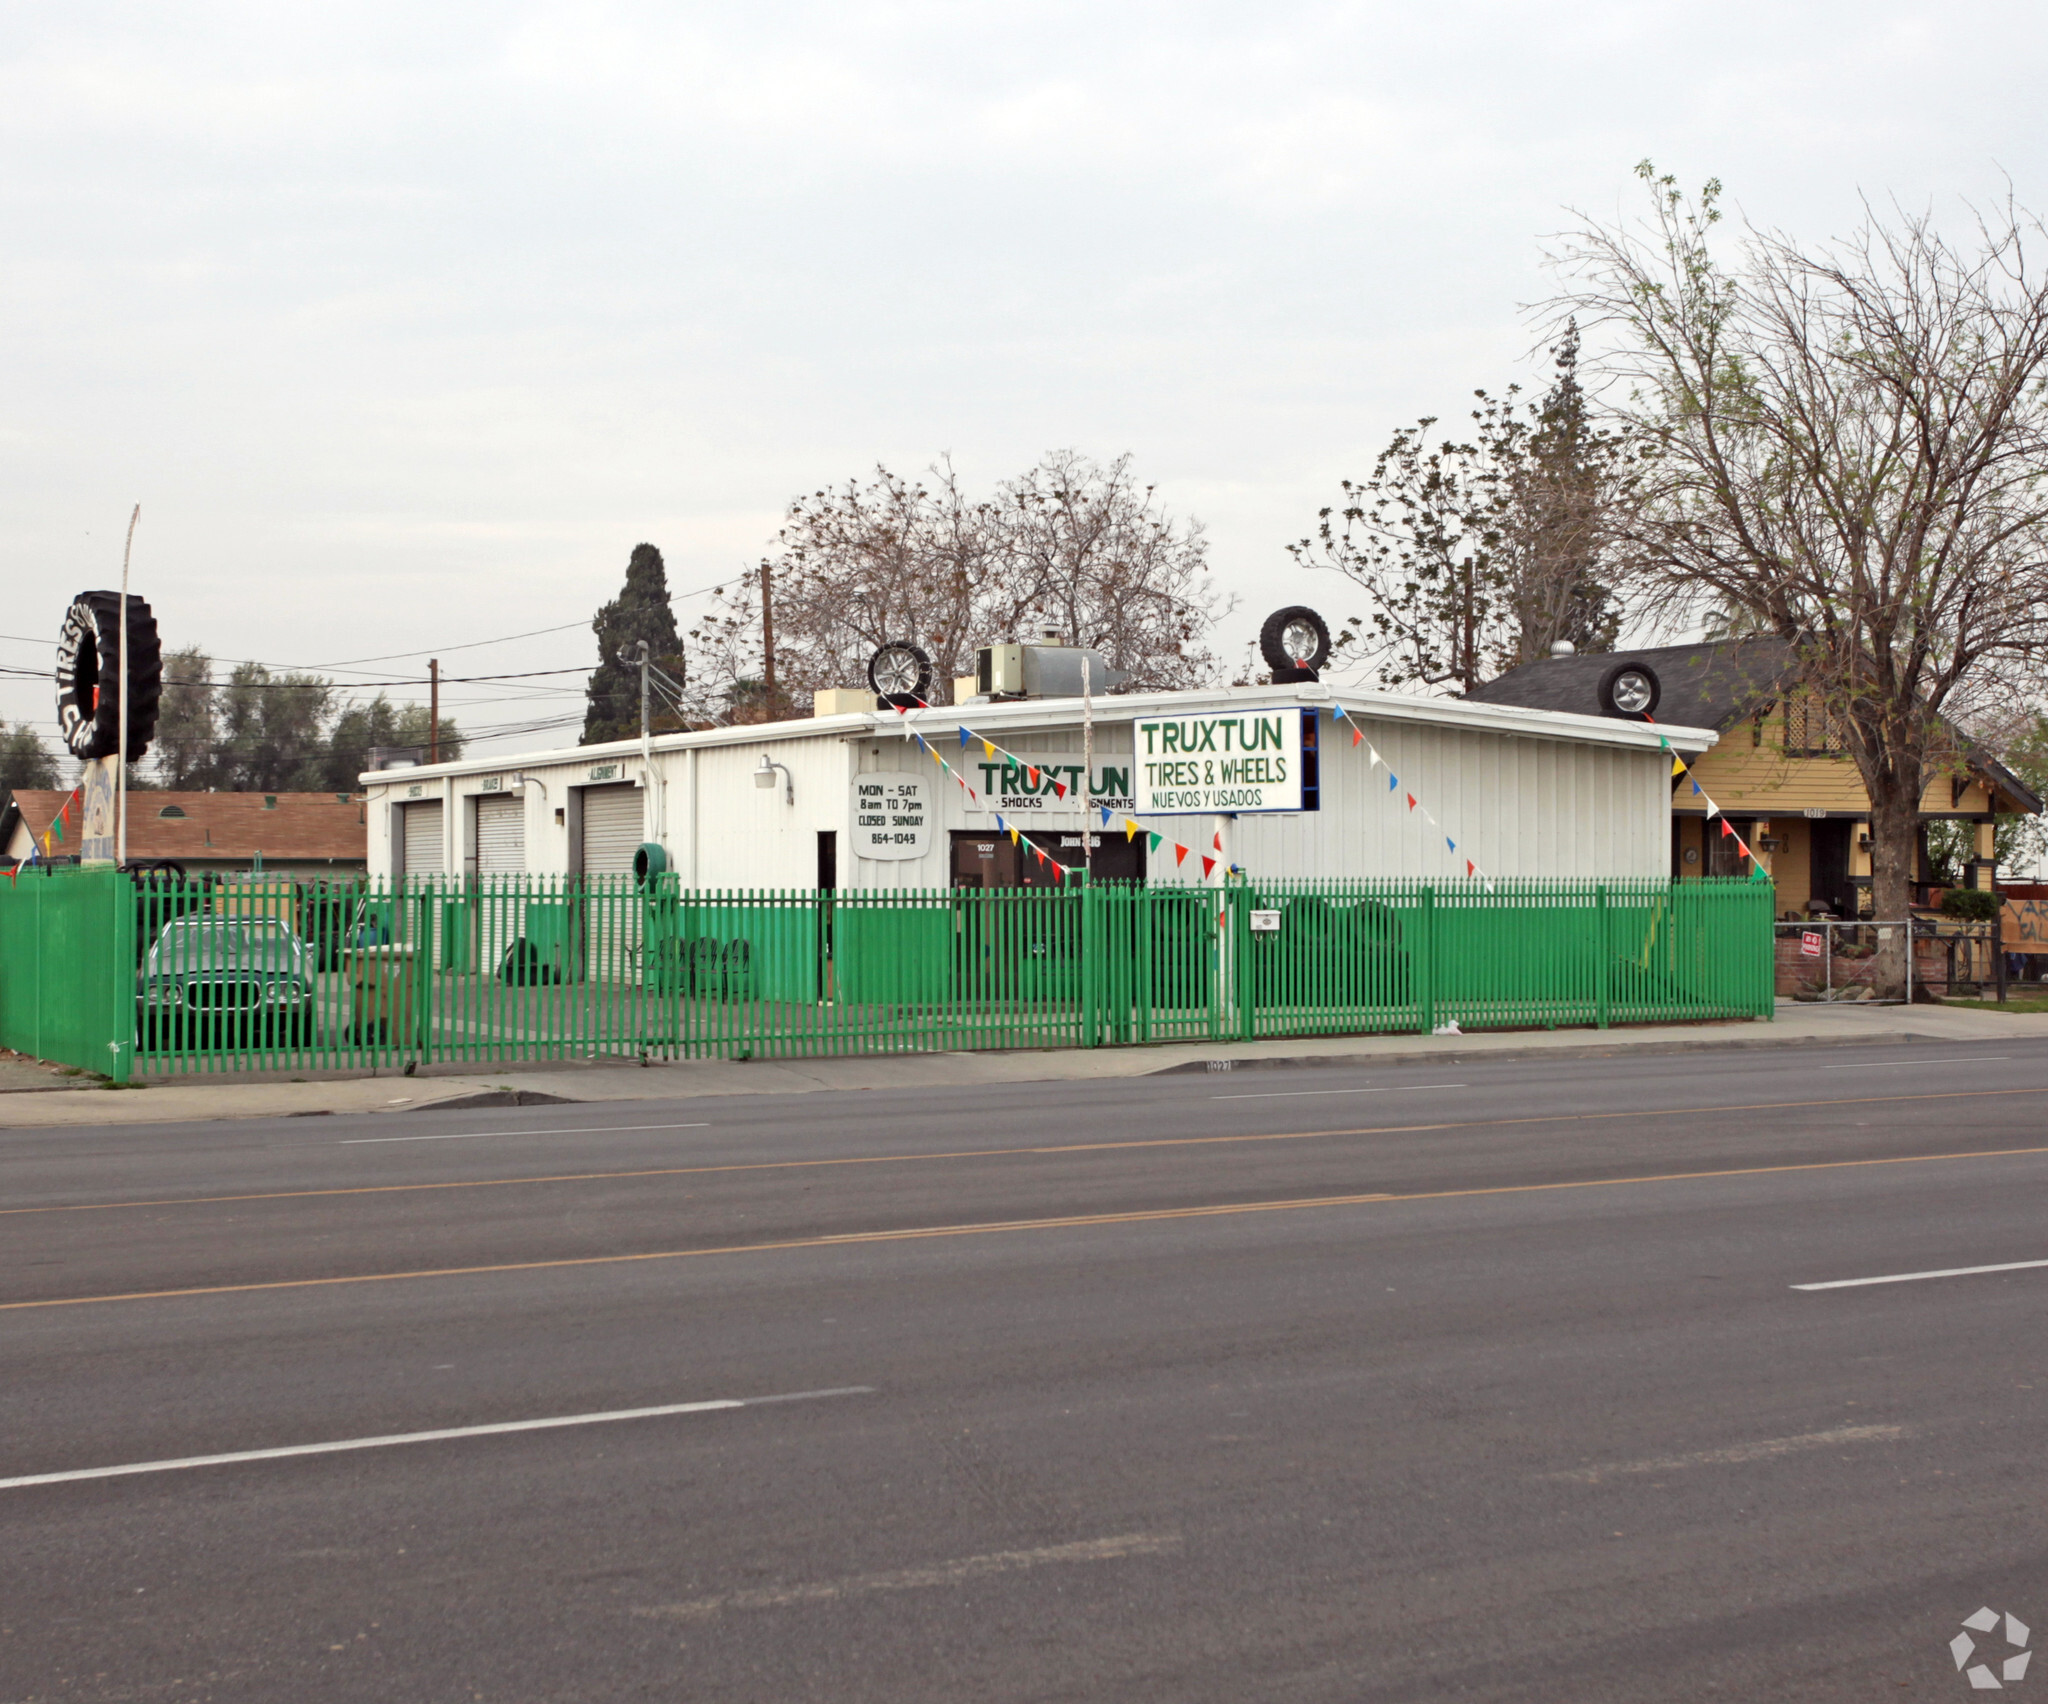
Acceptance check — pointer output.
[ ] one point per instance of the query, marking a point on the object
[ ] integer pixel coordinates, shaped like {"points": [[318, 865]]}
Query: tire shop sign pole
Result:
{"points": [[107, 637]]}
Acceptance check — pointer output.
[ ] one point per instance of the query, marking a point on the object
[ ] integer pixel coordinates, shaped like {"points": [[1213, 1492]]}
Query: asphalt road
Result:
{"points": [[1479, 1382]]}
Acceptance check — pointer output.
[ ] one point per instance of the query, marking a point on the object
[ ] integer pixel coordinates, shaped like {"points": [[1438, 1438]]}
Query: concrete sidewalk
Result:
{"points": [[1795, 1026]]}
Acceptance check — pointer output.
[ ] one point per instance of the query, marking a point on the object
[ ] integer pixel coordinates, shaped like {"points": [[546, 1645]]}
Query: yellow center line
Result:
{"points": [[919, 1233], [994, 1153]]}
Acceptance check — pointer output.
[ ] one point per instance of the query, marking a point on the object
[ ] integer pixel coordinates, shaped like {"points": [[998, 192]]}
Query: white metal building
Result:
{"points": [[1522, 793]]}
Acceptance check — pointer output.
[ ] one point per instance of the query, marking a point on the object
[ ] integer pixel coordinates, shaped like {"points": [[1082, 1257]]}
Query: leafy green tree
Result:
{"points": [[187, 730], [24, 760], [273, 730], [640, 611], [379, 723]]}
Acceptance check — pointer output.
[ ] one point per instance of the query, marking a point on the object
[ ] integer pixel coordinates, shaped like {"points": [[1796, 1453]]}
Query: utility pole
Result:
{"points": [[1087, 768], [1471, 639], [649, 818], [434, 711], [767, 641]]}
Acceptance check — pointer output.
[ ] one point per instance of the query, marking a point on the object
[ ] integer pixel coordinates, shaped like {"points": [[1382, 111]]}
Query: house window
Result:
{"points": [[1811, 729]]}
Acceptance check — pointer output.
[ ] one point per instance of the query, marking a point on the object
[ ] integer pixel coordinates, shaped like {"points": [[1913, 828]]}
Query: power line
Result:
{"points": [[422, 651]]}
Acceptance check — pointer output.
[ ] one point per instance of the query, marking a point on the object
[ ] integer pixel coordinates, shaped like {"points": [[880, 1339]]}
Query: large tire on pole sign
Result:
{"points": [[88, 670], [1295, 642]]}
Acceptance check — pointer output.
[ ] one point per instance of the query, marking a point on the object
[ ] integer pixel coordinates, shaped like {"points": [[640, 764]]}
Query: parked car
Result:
{"points": [[226, 982]]}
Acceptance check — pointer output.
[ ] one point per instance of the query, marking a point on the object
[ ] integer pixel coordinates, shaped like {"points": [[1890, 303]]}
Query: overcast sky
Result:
{"points": [[405, 323]]}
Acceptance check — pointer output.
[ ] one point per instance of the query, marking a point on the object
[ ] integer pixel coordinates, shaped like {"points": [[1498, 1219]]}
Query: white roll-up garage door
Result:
{"points": [[611, 830], [501, 836], [611, 835], [420, 830]]}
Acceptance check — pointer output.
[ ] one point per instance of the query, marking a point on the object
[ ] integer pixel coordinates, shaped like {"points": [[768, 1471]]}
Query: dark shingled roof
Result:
{"points": [[1703, 686], [1714, 685]]}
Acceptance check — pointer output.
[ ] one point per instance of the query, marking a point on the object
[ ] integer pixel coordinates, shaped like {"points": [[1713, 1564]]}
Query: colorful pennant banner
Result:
{"points": [[1132, 827], [1678, 768]]}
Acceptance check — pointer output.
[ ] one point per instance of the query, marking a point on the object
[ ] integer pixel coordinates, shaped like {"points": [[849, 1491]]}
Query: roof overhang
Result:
{"points": [[1506, 720]]}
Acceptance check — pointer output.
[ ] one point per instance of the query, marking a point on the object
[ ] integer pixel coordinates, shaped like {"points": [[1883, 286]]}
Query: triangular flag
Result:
{"points": [[1180, 854], [1411, 800], [1711, 807], [1217, 843], [1728, 833], [1059, 789], [58, 825], [963, 739], [1357, 738], [1208, 864], [1662, 741], [1393, 782], [1677, 764], [1153, 841], [1452, 844], [1104, 809], [1373, 753], [1338, 712], [1697, 788], [1130, 829], [990, 749], [1471, 869]]}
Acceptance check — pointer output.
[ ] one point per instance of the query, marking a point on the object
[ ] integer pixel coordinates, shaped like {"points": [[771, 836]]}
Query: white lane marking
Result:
{"points": [[910, 1579], [1900, 1064], [1915, 1277], [1370, 1089], [1762, 1450], [474, 1135], [339, 1445]]}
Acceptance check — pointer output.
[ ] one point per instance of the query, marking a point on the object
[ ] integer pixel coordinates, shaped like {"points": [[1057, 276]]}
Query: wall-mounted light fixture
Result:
{"points": [[533, 780], [764, 778]]}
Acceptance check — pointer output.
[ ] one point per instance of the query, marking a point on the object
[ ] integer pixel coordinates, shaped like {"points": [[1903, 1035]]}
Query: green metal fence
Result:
{"points": [[67, 968], [273, 974]]}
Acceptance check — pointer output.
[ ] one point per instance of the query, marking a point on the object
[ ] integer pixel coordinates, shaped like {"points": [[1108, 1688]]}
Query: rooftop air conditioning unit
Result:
{"points": [[1042, 671]]}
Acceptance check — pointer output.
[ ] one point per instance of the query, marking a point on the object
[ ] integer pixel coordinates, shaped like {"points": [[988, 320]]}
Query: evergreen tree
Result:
{"points": [[640, 611]]}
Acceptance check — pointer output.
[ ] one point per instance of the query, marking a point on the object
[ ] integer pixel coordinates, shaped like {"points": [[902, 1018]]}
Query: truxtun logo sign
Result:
{"points": [[1962, 1647]]}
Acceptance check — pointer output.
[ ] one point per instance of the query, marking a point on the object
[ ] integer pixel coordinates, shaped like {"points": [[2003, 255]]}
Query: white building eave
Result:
{"points": [[1032, 713]]}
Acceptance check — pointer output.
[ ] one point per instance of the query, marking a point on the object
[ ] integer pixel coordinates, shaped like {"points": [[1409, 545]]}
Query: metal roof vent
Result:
{"points": [[1563, 648]]}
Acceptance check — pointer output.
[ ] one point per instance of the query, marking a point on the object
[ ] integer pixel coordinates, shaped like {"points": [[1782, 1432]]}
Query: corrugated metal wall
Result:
{"points": [[1519, 804]]}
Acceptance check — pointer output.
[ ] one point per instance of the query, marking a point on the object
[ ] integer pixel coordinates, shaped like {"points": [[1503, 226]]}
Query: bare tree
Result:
{"points": [[1072, 544], [1088, 551], [1479, 555], [1849, 451]]}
